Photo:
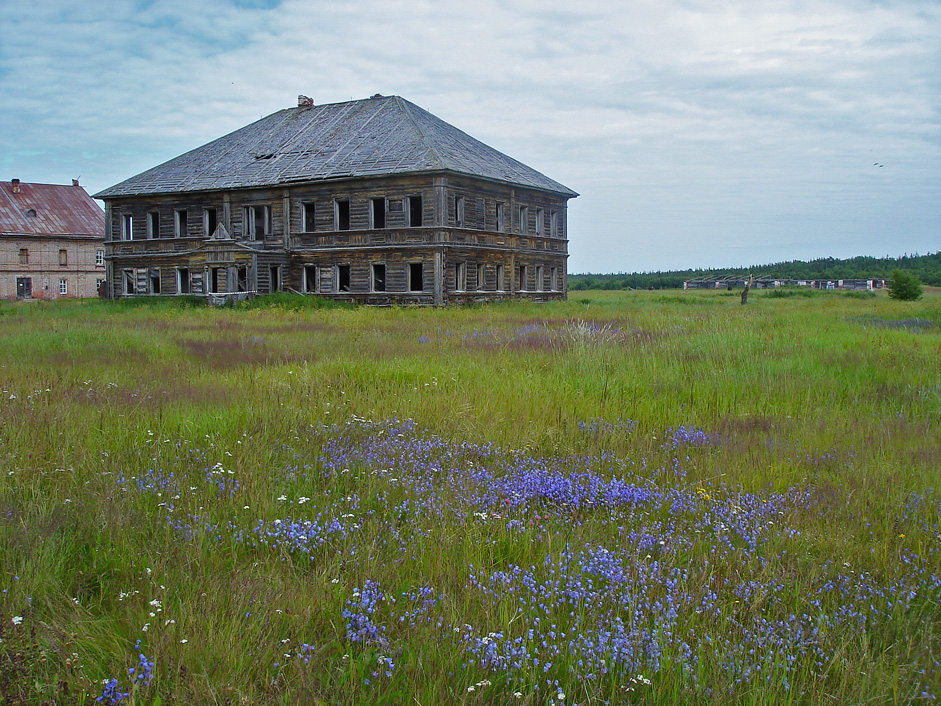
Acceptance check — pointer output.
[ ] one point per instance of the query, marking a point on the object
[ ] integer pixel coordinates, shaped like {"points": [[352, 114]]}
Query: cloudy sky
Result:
{"points": [[699, 133]]}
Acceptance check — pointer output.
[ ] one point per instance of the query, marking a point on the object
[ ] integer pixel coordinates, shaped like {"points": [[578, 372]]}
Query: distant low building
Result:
{"points": [[374, 201], [51, 241], [770, 282]]}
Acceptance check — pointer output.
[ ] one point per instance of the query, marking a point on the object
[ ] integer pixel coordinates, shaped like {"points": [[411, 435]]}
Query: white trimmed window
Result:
{"points": [[63, 287]]}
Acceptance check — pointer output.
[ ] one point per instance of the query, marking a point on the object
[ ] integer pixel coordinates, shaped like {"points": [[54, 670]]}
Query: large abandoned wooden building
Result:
{"points": [[375, 201]]}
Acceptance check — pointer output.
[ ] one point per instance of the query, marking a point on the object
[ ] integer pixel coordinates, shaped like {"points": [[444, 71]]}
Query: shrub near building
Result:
{"points": [[904, 286]]}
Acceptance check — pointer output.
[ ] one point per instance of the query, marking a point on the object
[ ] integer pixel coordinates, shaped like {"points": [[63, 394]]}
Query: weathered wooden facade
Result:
{"points": [[51, 241], [375, 201]]}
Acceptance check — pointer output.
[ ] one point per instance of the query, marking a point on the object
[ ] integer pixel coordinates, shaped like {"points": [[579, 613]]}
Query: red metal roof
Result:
{"points": [[49, 209]]}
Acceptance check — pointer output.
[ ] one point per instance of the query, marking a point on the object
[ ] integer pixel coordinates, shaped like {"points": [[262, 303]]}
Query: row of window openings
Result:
{"points": [[63, 257], [257, 219], [341, 279], [216, 277], [522, 278]]}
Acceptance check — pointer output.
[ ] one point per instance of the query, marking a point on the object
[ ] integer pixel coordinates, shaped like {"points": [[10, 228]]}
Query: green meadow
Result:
{"points": [[627, 498]]}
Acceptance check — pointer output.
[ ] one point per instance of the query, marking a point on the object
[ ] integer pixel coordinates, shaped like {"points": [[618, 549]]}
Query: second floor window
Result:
{"points": [[63, 257], [257, 222], [309, 213], [180, 229], [99, 258], [153, 224], [24, 256]]}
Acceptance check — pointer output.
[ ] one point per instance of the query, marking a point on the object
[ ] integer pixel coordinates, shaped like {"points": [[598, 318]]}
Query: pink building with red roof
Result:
{"points": [[51, 241]]}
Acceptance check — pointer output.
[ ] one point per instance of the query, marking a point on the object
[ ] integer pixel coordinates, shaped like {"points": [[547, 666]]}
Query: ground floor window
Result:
{"points": [[215, 279], [343, 278], [460, 276], [274, 284], [241, 279], [183, 280], [522, 278], [130, 282], [378, 277], [540, 274], [501, 278], [481, 276], [63, 287], [416, 279], [310, 279], [155, 281]]}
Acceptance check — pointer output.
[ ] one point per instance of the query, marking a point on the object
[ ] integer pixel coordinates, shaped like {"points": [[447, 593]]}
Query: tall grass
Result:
{"points": [[626, 498]]}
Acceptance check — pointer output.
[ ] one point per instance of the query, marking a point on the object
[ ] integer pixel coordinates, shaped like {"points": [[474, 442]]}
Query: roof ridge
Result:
{"points": [[426, 141]]}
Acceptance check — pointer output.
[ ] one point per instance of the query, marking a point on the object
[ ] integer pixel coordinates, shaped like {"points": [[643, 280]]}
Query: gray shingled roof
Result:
{"points": [[381, 135]]}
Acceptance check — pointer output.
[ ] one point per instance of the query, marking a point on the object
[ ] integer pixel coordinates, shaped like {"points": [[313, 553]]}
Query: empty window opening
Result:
{"points": [[215, 279], [378, 277], [183, 280], [63, 287], [343, 278], [24, 256], [524, 219], [257, 222], [481, 275], [129, 282], [309, 214], [310, 279], [540, 273], [460, 276], [209, 221], [416, 279], [522, 278], [155, 281], [378, 213], [274, 281], [63, 257], [127, 227], [153, 224], [554, 224], [501, 278], [343, 214], [554, 279], [459, 211], [180, 229], [24, 287], [501, 219], [241, 279], [540, 216], [414, 211], [99, 258]]}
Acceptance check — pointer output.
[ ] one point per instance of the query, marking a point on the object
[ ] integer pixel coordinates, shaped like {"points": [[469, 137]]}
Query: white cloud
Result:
{"points": [[698, 132]]}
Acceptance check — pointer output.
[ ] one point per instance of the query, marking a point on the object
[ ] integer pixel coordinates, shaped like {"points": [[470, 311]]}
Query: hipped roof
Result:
{"points": [[375, 136]]}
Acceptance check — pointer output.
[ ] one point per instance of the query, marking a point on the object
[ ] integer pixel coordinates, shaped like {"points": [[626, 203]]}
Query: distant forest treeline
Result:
{"points": [[926, 267]]}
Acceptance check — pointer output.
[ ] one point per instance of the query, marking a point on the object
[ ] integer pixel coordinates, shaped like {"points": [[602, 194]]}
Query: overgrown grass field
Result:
{"points": [[647, 497]]}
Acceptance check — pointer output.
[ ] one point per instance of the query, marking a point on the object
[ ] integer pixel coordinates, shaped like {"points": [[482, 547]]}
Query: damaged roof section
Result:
{"points": [[376, 136]]}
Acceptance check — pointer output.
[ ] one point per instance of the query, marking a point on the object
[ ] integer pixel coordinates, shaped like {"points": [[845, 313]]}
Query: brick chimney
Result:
{"points": [[304, 102], [75, 182], [16, 186]]}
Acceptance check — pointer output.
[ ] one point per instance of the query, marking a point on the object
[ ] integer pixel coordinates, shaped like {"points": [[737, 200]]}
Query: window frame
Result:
{"points": [[153, 225], [378, 282], [180, 223]]}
